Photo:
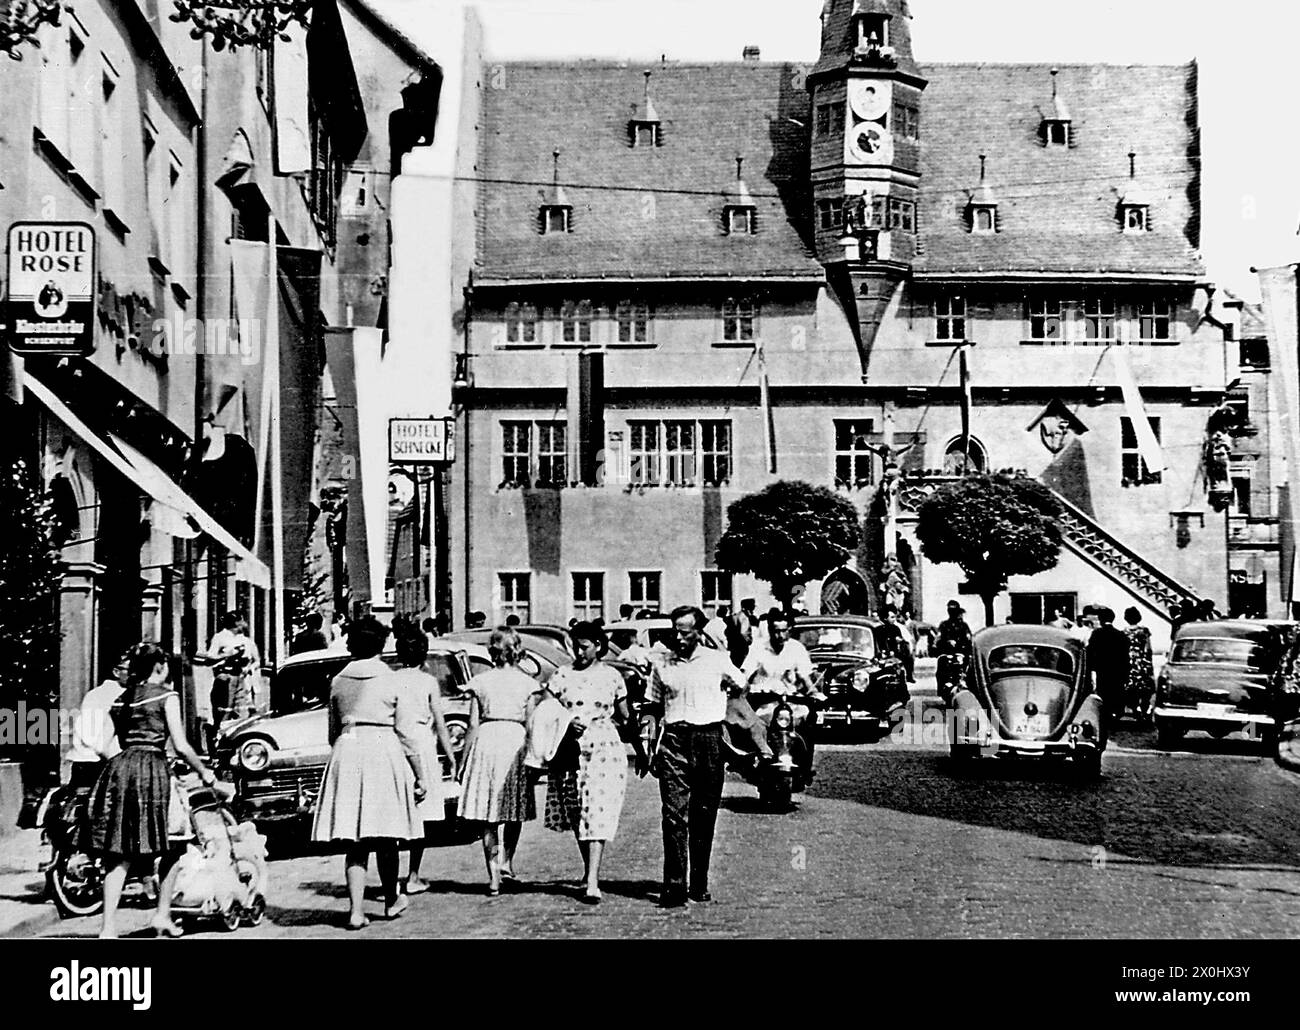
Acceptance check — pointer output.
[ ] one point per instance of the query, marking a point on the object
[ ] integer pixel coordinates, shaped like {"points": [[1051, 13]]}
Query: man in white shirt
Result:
{"points": [[688, 691], [237, 664], [94, 738], [782, 666]]}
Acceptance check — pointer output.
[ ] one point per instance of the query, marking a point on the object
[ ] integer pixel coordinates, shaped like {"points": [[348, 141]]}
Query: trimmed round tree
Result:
{"points": [[789, 534], [992, 527]]}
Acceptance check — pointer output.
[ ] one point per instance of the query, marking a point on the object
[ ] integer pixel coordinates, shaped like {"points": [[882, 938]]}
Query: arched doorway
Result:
{"points": [[845, 593], [954, 457]]}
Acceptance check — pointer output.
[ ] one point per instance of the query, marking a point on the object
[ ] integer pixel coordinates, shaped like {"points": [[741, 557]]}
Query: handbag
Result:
{"points": [[566, 755]]}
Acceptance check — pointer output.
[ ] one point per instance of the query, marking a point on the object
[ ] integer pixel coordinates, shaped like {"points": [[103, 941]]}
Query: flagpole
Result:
{"points": [[272, 358], [765, 402]]}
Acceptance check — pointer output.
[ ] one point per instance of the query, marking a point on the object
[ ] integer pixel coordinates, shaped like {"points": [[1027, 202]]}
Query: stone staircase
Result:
{"points": [[1087, 538]]}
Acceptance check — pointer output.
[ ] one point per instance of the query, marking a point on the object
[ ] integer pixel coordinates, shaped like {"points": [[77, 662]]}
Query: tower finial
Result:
{"points": [[982, 159], [555, 157], [648, 73], [740, 162], [1132, 165], [1055, 72]]}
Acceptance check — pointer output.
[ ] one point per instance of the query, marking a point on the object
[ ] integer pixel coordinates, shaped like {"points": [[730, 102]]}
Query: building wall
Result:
{"points": [[815, 375]]}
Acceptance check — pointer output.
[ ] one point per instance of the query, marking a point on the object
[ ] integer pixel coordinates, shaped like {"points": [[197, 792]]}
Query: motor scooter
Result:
{"points": [[787, 771], [950, 674], [74, 878]]}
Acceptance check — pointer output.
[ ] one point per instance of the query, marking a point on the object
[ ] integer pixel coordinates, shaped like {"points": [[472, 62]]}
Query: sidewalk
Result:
{"points": [[22, 884]]}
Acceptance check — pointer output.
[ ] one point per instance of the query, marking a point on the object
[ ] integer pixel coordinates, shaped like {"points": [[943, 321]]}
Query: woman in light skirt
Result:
{"points": [[375, 778], [496, 791], [412, 651]]}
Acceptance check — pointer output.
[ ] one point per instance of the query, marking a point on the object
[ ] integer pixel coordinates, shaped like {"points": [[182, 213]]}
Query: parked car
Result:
{"points": [[277, 760], [1220, 678], [864, 686], [1027, 695], [540, 659]]}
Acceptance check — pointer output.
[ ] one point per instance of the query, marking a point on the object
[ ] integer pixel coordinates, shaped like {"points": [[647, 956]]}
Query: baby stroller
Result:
{"points": [[222, 875]]}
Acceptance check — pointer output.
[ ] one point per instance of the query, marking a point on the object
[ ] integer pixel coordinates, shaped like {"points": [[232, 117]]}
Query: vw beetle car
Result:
{"points": [[1220, 678], [863, 685], [277, 760], [1027, 695]]}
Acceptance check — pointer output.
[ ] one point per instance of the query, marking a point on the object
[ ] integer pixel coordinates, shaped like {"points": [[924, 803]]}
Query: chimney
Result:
{"points": [[750, 53]]}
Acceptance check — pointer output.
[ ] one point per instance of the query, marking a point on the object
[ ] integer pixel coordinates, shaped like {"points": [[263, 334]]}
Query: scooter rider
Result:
{"points": [[779, 665], [94, 738], [953, 639]]}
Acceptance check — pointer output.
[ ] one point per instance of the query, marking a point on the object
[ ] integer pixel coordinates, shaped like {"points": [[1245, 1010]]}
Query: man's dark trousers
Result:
{"points": [[691, 775]]}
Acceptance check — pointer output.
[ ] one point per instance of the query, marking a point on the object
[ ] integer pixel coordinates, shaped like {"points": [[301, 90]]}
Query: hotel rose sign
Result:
{"points": [[50, 307]]}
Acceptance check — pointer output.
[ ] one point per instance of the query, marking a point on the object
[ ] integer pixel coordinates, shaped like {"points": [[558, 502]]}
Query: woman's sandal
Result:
{"points": [[417, 886], [395, 910], [166, 929], [358, 926]]}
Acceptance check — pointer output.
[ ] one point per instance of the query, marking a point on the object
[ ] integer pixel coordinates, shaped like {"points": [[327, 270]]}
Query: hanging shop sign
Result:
{"points": [[49, 305], [420, 441]]}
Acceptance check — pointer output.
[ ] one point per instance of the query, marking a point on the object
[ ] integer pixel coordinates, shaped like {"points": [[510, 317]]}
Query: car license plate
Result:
{"points": [[1031, 726], [1208, 709]]}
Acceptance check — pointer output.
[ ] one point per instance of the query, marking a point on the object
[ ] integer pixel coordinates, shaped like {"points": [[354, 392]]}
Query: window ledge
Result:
{"points": [[158, 266], [522, 346], [50, 150], [948, 343], [83, 186], [746, 344], [181, 294], [631, 346]]}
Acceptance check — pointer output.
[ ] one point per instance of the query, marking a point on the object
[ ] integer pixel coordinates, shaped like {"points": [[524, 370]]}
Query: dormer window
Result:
{"points": [[738, 213], [644, 130], [982, 211], [555, 219], [740, 221], [1056, 133], [1135, 218], [556, 213], [645, 134], [1056, 128]]}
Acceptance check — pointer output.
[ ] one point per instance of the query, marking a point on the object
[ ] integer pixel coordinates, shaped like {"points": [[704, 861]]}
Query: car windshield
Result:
{"points": [[1013, 657], [1218, 651], [857, 640], [307, 684]]}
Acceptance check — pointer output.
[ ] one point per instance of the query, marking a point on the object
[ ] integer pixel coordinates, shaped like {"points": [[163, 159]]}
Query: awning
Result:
{"points": [[180, 514]]}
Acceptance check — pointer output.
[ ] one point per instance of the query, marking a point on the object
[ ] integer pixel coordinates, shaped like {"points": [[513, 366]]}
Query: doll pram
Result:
{"points": [[222, 875]]}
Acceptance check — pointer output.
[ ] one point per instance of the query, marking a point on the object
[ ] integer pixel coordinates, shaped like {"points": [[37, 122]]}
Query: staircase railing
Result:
{"points": [[1084, 536]]}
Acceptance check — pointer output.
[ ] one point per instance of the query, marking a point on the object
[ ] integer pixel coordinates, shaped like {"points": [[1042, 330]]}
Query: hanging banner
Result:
{"points": [[1148, 445], [50, 306]]}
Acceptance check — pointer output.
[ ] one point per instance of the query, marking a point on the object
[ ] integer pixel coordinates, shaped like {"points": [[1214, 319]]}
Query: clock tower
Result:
{"points": [[866, 154]]}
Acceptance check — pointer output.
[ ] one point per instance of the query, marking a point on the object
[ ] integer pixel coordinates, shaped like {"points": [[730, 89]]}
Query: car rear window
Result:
{"points": [[1218, 651], [856, 640], [1014, 657]]}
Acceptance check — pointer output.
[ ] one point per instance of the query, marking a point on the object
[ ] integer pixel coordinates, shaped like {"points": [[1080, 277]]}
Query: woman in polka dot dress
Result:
{"points": [[589, 800]]}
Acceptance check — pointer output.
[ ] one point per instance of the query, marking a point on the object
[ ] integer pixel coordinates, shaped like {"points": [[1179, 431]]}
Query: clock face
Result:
{"points": [[868, 143], [870, 101]]}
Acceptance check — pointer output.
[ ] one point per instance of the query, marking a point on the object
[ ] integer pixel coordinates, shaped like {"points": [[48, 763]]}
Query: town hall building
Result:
{"points": [[691, 281]]}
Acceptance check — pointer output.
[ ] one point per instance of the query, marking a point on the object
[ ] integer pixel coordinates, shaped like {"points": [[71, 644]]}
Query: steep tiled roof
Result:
{"points": [[657, 212], [645, 211], [1057, 206]]}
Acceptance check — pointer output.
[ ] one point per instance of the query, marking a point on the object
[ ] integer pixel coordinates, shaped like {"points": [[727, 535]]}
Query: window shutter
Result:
{"points": [[631, 134], [997, 218], [753, 221], [541, 221], [659, 135], [1072, 135], [1042, 132], [967, 215]]}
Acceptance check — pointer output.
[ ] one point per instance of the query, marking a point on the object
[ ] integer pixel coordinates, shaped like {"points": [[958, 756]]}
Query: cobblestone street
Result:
{"points": [[890, 843]]}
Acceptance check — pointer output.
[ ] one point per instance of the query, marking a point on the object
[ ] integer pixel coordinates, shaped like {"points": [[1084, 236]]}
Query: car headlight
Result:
{"points": [[862, 679], [254, 755]]}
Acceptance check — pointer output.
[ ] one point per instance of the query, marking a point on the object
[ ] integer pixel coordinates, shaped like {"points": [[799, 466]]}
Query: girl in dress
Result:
{"points": [[1141, 669], [412, 650], [496, 791], [130, 800], [375, 778], [589, 799]]}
